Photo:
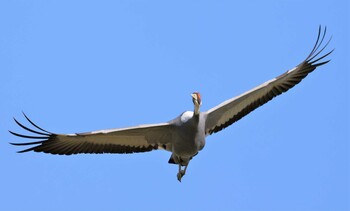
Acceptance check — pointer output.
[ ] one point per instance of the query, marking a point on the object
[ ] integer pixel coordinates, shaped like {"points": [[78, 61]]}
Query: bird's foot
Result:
{"points": [[180, 175]]}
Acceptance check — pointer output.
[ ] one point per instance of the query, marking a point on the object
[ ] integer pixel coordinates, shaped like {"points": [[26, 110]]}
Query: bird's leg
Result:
{"points": [[181, 172], [179, 175]]}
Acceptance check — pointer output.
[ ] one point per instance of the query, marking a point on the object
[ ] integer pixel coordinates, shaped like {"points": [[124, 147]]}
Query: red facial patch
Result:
{"points": [[198, 97]]}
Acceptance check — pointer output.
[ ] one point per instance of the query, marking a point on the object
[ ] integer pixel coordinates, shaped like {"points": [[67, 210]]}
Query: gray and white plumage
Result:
{"points": [[183, 136]]}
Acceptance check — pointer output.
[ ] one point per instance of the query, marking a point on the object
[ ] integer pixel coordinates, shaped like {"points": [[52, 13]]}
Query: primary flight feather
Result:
{"points": [[183, 136]]}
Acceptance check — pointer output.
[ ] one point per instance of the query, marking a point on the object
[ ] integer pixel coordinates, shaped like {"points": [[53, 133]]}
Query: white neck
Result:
{"points": [[196, 109]]}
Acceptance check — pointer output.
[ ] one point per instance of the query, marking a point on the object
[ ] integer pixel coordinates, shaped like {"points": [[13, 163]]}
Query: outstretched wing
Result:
{"points": [[141, 138], [234, 109]]}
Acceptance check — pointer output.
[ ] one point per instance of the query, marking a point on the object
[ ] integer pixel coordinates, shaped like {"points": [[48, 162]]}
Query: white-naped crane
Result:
{"points": [[183, 136]]}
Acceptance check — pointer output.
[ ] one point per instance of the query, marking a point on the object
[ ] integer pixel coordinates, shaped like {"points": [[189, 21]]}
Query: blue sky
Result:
{"points": [[88, 65]]}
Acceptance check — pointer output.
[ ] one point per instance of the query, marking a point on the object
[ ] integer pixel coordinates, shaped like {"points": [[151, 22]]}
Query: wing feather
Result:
{"points": [[141, 138], [236, 108]]}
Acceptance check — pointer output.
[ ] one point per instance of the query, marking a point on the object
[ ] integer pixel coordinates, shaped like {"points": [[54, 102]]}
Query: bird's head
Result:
{"points": [[196, 98]]}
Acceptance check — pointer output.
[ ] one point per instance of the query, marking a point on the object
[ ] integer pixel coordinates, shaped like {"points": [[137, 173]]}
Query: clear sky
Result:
{"points": [[77, 66]]}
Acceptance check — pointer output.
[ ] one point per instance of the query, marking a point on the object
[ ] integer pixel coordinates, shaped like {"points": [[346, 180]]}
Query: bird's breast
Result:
{"points": [[190, 135]]}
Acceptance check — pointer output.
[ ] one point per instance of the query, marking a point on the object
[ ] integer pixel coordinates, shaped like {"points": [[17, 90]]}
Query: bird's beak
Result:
{"points": [[196, 98]]}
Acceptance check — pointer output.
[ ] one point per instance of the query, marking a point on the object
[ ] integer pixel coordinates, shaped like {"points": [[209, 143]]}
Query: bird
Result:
{"points": [[183, 136]]}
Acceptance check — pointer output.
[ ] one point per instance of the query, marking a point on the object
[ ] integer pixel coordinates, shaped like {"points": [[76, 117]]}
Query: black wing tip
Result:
{"points": [[319, 47], [31, 122], [25, 150], [27, 143], [30, 137], [41, 134]]}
